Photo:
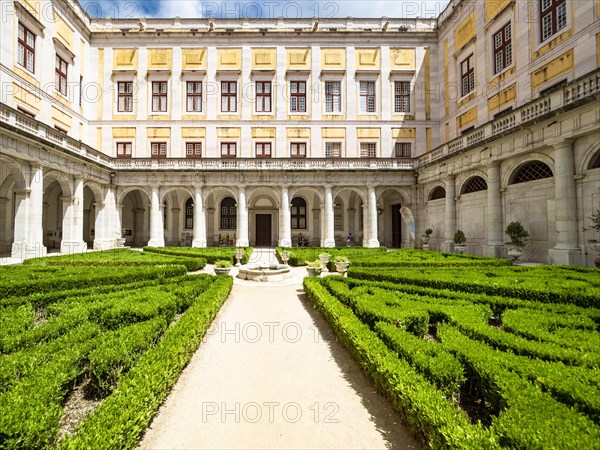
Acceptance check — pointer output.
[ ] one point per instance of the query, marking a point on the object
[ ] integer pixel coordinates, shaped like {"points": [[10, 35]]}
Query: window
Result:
{"points": [[333, 149], [402, 149], [194, 96], [27, 113], [228, 149], [298, 213], [263, 149], [298, 149], [503, 48], [553, 17], [158, 150], [193, 149], [228, 96], [368, 150], [467, 75], [263, 96], [298, 96], [125, 96], [26, 49], [189, 214], [124, 149], [475, 184], [159, 96], [333, 96], [228, 214], [402, 96], [437, 193], [60, 75], [367, 97], [531, 171], [338, 217]]}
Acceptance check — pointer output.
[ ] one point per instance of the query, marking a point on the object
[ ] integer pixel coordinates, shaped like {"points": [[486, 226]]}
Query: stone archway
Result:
{"points": [[135, 221]]}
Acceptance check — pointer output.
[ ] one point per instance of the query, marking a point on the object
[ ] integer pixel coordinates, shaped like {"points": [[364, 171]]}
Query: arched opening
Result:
{"points": [[228, 214], [7, 214], [189, 214], [595, 161], [298, 213], [55, 206], [437, 193], [90, 215], [531, 171], [134, 219], [474, 184]]}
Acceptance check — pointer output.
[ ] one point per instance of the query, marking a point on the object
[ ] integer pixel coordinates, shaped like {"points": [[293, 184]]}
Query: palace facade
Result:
{"points": [[207, 132]]}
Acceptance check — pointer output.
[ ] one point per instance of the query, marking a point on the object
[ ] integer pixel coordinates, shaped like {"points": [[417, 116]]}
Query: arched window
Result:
{"points": [[298, 214], [474, 184], [531, 171], [228, 214], [595, 162], [437, 193], [189, 214]]}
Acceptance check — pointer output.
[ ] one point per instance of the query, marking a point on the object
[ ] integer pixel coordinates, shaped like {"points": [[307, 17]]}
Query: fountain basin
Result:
{"points": [[264, 272]]}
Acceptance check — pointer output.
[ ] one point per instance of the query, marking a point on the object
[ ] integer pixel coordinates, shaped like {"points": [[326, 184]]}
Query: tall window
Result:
{"points": [[503, 48], [228, 96], [228, 149], [189, 214], [158, 150], [159, 96], [298, 149], [263, 96], [333, 96], [60, 75], [333, 149], [367, 97], [401, 96], [26, 50], [194, 96], [298, 96], [193, 149], [368, 150], [263, 149], [402, 149], [338, 217], [228, 214], [298, 213], [467, 75], [125, 96], [123, 149], [553, 17]]}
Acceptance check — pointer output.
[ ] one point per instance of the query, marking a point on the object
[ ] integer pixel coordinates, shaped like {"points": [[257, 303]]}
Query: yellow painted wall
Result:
{"points": [[333, 58], [494, 7], [99, 138], [264, 58], [502, 98], [61, 117], [162, 132], [193, 58], [298, 133], [368, 58], [555, 68], [123, 133], [298, 58], [465, 32], [194, 132], [125, 58], [228, 132], [445, 69], [229, 58], [26, 97], [100, 80], [263, 133], [63, 31], [598, 45], [427, 63], [368, 133], [404, 133], [428, 139], [34, 7], [467, 118], [402, 58], [160, 58], [330, 133], [447, 131]]}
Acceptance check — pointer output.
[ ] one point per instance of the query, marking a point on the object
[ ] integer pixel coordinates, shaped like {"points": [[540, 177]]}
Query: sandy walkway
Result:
{"points": [[271, 375]]}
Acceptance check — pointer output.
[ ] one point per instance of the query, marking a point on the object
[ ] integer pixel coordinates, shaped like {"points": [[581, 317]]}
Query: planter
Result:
{"points": [[222, 271], [324, 258], [285, 257], [425, 238], [313, 271], [342, 267], [460, 248], [239, 254], [596, 247], [514, 252]]}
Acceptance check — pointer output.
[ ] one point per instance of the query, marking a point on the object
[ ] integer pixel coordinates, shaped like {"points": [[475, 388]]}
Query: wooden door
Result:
{"points": [[396, 226], [263, 230]]}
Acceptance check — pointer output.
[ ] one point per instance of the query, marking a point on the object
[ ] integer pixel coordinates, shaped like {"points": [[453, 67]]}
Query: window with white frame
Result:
{"points": [[125, 96], [467, 75], [158, 149], [124, 149], [159, 96], [401, 97], [60, 75], [228, 96], [367, 101], [402, 149], [193, 149], [297, 96], [298, 149], [193, 99], [553, 17], [263, 149], [26, 48], [298, 213], [368, 149], [263, 96], [333, 149], [228, 149], [333, 97], [503, 48]]}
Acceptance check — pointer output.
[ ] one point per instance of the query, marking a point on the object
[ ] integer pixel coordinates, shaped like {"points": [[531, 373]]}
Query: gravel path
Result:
{"points": [[270, 374]]}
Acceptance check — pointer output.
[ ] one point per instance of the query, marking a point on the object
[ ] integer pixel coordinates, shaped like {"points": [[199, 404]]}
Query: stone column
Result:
{"points": [[373, 242], [29, 233], [365, 217], [4, 229], [72, 241], [157, 236], [329, 240], [494, 246], [242, 209], [566, 251], [285, 226], [199, 239], [450, 214]]}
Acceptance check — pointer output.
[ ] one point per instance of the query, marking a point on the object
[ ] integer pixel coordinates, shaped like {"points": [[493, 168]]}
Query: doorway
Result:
{"points": [[396, 226], [263, 230]]}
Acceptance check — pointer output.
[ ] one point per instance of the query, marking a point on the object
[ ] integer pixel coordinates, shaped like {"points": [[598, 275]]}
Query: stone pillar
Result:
{"points": [[242, 209], [566, 251], [365, 217], [157, 236], [329, 240], [4, 229], [494, 246], [373, 242], [29, 233], [108, 221], [72, 241], [450, 214], [285, 226], [199, 239]]}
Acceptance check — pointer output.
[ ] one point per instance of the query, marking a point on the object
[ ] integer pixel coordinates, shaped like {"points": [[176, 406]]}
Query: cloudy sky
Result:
{"points": [[263, 8]]}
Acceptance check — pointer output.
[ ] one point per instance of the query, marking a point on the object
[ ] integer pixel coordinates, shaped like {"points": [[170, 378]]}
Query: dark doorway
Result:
{"points": [[396, 226], [263, 230]]}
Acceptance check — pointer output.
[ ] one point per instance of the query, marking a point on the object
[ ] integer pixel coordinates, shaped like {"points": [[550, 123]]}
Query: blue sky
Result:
{"points": [[263, 8]]}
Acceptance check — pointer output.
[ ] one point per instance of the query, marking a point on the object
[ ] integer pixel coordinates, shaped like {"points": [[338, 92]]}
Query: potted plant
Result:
{"points": [[427, 235], [285, 256], [459, 241], [222, 267], [239, 254], [314, 268], [595, 243], [341, 264], [324, 258], [517, 234]]}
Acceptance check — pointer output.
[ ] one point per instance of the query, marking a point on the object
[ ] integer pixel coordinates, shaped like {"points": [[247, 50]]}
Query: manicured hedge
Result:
{"points": [[420, 258], [300, 256], [210, 254]]}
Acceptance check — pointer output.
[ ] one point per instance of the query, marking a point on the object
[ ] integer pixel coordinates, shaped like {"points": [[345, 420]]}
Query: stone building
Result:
{"points": [[199, 132]]}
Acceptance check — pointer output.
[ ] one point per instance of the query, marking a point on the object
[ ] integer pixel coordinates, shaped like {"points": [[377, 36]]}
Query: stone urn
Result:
{"points": [[514, 252], [222, 271], [341, 267], [313, 271], [324, 258], [239, 254], [460, 248], [285, 257]]}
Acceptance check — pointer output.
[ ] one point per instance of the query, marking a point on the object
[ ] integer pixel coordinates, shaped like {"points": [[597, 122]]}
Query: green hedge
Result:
{"points": [[300, 256], [420, 258], [210, 254]]}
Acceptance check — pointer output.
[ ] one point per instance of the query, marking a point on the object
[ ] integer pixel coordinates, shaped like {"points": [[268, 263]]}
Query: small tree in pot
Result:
{"points": [[314, 268], [518, 235], [459, 241], [341, 264]]}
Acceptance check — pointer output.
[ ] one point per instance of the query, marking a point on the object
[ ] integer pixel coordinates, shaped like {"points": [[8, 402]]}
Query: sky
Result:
{"points": [[265, 9]]}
